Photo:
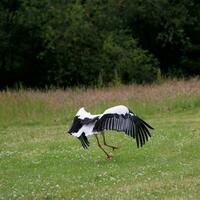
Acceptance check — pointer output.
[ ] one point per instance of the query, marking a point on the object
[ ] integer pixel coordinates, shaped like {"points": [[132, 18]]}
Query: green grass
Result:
{"points": [[39, 161]]}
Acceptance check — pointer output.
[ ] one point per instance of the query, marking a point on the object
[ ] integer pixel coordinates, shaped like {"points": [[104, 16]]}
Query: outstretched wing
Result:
{"points": [[126, 122]]}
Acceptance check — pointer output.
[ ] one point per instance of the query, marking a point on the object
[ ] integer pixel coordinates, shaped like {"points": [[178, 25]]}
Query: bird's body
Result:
{"points": [[86, 123], [118, 118]]}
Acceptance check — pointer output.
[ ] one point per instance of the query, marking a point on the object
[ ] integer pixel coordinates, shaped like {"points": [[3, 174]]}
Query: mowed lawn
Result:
{"points": [[38, 160]]}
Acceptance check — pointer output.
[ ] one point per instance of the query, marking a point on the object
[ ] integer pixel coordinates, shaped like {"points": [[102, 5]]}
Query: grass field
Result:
{"points": [[39, 161]]}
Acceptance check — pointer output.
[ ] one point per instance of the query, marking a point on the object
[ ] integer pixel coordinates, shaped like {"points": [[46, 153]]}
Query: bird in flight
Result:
{"points": [[118, 118]]}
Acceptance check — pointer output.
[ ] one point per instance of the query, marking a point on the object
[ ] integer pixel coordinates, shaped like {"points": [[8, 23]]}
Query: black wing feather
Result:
{"points": [[139, 136], [84, 141], [86, 120], [145, 123], [142, 135], [137, 140], [131, 124]]}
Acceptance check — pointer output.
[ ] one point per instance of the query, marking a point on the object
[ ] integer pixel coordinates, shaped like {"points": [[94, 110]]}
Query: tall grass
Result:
{"points": [[29, 107]]}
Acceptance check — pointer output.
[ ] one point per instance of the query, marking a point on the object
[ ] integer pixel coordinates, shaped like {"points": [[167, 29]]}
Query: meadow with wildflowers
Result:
{"points": [[38, 160]]}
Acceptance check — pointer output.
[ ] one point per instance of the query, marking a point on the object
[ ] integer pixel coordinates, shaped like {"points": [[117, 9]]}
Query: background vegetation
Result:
{"points": [[82, 42], [39, 161], [68, 43]]}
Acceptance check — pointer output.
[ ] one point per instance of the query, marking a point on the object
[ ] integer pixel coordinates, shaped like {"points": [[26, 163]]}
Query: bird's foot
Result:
{"points": [[109, 156]]}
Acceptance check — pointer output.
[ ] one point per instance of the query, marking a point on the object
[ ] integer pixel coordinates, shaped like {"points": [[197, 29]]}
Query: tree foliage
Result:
{"points": [[73, 42]]}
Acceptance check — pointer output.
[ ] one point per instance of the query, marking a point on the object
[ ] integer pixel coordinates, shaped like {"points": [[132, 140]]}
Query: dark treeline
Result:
{"points": [[97, 42]]}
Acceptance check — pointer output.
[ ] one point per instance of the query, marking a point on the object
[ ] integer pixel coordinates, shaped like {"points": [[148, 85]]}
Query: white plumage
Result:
{"points": [[118, 118], [86, 128], [120, 110]]}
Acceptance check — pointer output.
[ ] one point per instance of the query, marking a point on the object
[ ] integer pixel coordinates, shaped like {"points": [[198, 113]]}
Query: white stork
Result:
{"points": [[118, 118]]}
